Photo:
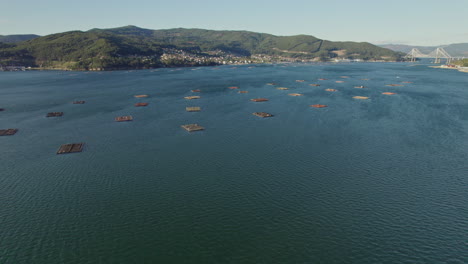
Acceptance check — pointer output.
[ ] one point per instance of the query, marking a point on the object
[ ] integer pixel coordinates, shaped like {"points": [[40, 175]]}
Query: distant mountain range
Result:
{"points": [[17, 38], [132, 47], [455, 50]]}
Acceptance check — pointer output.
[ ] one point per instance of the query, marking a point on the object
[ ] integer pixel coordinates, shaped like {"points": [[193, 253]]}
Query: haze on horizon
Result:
{"points": [[426, 23]]}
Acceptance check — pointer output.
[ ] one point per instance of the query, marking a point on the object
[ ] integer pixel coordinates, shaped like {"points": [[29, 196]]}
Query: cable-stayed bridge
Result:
{"points": [[437, 54]]}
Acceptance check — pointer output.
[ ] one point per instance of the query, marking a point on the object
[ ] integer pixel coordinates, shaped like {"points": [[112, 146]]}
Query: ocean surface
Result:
{"points": [[383, 180]]}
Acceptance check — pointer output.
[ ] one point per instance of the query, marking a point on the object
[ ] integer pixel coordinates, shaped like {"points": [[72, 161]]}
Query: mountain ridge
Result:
{"points": [[132, 47]]}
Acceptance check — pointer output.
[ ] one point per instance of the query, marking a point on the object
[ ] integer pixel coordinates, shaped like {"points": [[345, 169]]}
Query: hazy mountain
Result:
{"points": [[17, 38], [455, 50]]}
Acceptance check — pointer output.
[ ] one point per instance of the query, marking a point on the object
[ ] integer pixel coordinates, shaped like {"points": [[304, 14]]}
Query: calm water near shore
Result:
{"points": [[383, 180]]}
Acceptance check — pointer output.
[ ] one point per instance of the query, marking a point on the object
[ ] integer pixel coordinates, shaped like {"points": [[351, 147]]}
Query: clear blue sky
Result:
{"points": [[427, 22]]}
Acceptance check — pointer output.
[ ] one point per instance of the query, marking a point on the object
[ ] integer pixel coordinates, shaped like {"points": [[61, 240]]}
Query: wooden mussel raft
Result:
{"points": [[314, 84], [243, 92], [262, 114], [359, 86], [331, 90], [259, 100], [394, 85], [191, 97], [271, 83], [233, 87], [295, 94], [361, 97], [123, 118], [54, 114], [70, 148], [78, 102], [319, 105], [323, 79], [2, 109], [196, 91], [193, 109], [339, 81], [300, 80], [141, 104], [388, 93], [8, 132], [141, 96], [282, 88], [192, 127]]}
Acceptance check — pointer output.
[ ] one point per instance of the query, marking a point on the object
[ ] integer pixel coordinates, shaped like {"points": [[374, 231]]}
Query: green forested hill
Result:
{"points": [[133, 47]]}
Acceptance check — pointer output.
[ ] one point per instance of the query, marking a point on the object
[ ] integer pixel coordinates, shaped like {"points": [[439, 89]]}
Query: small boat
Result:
{"points": [[319, 105], [193, 109], [388, 93], [360, 86], [123, 118], [314, 84], [8, 132], [191, 97], [295, 94], [192, 127], [54, 114], [331, 90], [262, 114], [259, 100]]}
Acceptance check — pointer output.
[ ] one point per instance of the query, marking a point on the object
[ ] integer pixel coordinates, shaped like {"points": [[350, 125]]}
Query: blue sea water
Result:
{"points": [[383, 180]]}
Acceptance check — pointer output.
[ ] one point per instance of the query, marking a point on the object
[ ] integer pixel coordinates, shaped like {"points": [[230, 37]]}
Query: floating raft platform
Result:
{"points": [[295, 94], [344, 77], [2, 109], [388, 93], [339, 81], [193, 109], [141, 96], [360, 86], [323, 79], [233, 87], [282, 88], [192, 127], [394, 85], [243, 92], [361, 97], [191, 97], [196, 91], [271, 83], [70, 148], [314, 84], [259, 100], [8, 132], [78, 102], [54, 114], [331, 90], [365, 79], [319, 105], [141, 104], [300, 80], [407, 82], [262, 114], [123, 118]]}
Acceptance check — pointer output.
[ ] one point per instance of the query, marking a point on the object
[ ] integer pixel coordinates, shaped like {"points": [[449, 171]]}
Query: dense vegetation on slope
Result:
{"points": [[133, 47], [462, 63], [17, 38]]}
